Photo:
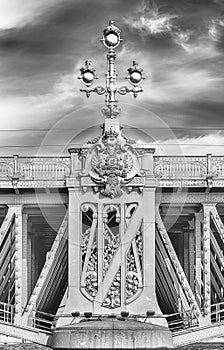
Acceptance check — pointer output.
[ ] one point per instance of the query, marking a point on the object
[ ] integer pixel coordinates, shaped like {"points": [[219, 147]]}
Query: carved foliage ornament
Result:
{"points": [[111, 162], [88, 250]]}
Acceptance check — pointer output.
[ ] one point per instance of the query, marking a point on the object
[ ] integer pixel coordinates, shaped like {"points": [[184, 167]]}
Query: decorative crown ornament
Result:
{"points": [[110, 133]]}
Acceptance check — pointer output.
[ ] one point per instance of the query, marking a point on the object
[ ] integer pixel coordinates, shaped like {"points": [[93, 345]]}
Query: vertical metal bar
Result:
{"points": [[100, 248], [123, 266], [206, 263], [198, 257]]}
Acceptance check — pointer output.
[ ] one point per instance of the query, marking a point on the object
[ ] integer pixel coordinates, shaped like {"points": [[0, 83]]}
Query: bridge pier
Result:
{"points": [[111, 247], [41, 215]]}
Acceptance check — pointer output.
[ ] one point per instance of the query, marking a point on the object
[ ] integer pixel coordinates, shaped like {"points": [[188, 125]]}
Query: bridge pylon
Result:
{"points": [[111, 228]]}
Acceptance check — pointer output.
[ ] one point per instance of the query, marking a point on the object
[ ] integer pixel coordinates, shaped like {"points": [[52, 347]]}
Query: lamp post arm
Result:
{"points": [[100, 90]]}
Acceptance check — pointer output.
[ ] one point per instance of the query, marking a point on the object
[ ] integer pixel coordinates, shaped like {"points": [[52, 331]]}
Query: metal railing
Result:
{"points": [[42, 320], [165, 167], [177, 321], [217, 313], [182, 320], [7, 312], [189, 167], [34, 167]]}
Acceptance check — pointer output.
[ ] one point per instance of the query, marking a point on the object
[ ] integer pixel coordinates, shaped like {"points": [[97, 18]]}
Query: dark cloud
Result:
{"points": [[179, 43]]}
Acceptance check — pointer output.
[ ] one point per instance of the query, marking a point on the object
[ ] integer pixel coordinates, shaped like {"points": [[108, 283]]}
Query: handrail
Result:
{"points": [[24, 168], [7, 312], [185, 319], [185, 167], [165, 167], [177, 321]]}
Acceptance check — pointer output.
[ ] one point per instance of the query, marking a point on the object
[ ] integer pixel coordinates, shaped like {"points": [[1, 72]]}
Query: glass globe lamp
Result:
{"points": [[135, 77], [111, 36], [111, 39], [88, 77]]}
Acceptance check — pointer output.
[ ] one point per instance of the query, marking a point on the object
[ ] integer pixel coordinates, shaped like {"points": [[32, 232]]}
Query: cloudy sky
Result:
{"points": [[179, 43]]}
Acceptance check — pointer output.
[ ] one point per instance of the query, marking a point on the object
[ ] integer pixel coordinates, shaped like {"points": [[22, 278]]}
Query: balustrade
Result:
{"points": [[25, 168], [165, 167], [189, 167]]}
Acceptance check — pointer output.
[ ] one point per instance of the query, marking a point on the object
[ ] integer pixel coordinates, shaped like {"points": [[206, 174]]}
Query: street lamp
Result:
{"points": [[111, 39], [111, 36]]}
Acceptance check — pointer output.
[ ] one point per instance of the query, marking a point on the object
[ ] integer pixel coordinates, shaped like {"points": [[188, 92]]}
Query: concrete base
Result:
{"points": [[111, 333]]}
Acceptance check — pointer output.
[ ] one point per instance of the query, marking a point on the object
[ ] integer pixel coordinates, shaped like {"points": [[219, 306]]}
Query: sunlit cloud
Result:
{"points": [[219, 2], [18, 13], [64, 88], [199, 45], [182, 39], [178, 45], [216, 28], [202, 145], [38, 109], [175, 83], [150, 19]]}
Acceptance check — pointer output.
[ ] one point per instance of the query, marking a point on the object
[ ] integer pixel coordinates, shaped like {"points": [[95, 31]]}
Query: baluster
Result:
{"points": [[169, 169], [197, 170], [41, 169], [44, 169], [178, 168], [166, 169], [173, 169], [30, 170]]}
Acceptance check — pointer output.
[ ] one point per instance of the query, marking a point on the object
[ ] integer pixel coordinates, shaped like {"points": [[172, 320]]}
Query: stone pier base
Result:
{"points": [[111, 333]]}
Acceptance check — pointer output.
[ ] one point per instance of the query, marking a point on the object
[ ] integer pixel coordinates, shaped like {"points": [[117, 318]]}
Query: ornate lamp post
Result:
{"points": [[111, 238], [111, 39]]}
